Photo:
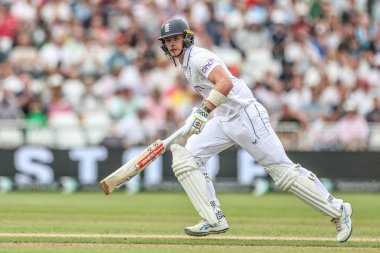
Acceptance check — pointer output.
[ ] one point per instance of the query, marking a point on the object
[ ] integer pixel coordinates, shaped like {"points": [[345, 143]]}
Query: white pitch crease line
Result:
{"points": [[215, 237]]}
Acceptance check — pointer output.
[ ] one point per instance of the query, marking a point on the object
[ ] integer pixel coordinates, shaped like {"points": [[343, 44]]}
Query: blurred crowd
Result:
{"points": [[314, 64]]}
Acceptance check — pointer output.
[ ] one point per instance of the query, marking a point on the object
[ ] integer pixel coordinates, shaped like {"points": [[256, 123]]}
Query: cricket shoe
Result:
{"points": [[343, 223], [204, 228]]}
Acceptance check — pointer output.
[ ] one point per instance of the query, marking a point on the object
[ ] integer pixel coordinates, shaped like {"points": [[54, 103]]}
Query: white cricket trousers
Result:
{"points": [[252, 131]]}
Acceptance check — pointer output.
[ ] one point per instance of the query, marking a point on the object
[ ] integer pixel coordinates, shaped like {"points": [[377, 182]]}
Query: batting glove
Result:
{"points": [[195, 123]]}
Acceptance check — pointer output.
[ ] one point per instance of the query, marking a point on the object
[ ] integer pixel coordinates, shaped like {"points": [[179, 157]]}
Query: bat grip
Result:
{"points": [[172, 137]]}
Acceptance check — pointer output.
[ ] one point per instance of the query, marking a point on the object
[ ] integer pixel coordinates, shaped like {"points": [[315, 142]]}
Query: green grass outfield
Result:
{"points": [[154, 222]]}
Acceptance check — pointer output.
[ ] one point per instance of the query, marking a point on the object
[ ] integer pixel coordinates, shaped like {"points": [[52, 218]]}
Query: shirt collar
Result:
{"points": [[187, 56]]}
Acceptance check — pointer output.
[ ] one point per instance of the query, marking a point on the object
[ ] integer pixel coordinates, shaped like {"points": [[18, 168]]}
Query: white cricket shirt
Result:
{"points": [[197, 65]]}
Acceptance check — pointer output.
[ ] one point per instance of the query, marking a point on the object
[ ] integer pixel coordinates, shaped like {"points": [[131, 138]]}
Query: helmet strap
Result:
{"points": [[175, 63], [180, 53], [166, 51]]}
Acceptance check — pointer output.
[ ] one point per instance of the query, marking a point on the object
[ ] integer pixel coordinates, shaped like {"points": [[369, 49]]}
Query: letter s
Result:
{"points": [[32, 163]]}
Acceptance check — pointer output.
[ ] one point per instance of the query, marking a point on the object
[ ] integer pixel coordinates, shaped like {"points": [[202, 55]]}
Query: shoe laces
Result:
{"points": [[338, 223], [202, 221]]}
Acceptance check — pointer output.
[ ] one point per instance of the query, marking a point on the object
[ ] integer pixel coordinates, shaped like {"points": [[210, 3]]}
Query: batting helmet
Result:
{"points": [[176, 26]]}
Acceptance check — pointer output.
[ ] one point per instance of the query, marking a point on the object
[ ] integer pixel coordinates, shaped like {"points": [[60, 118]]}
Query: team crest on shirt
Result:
{"points": [[208, 64]]}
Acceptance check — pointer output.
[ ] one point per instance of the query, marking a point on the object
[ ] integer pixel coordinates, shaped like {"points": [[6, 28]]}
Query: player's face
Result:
{"points": [[174, 44]]}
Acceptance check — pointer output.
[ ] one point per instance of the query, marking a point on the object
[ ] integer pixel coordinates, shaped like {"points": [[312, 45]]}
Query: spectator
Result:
{"points": [[315, 54], [373, 74], [106, 85], [50, 55], [124, 106], [24, 55], [299, 95], [301, 51], [73, 48], [346, 63], [169, 124], [254, 35], [332, 94], [96, 55], [200, 13], [214, 26], [56, 11], [268, 92], [278, 29], [73, 87], [156, 107], [139, 130], [374, 114], [180, 97], [90, 102], [36, 114], [98, 30], [114, 138], [315, 107], [9, 25], [58, 105], [353, 130], [290, 115], [25, 11], [290, 124], [323, 132], [25, 94], [82, 11], [9, 109], [361, 95], [132, 76], [120, 57]]}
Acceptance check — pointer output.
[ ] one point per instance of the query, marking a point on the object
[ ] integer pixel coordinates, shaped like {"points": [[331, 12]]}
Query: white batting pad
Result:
{"points": [[193, 182], [288, 179]]}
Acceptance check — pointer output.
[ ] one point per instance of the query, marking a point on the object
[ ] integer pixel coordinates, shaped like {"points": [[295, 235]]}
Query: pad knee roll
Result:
{"points": [[193, 182], [288, 179]]}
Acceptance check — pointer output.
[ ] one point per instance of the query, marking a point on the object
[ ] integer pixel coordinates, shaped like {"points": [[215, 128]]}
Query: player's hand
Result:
{"points": [[195, 123]]}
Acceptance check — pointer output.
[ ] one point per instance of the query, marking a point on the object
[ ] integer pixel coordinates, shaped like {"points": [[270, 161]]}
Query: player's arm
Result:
{"points": [[223, 86]]}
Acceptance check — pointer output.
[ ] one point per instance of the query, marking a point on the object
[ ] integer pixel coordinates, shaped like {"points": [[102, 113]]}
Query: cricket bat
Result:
{"points": [[137, 164]]}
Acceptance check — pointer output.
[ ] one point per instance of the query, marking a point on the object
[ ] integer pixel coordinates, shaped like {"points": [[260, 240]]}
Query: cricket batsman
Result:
{"points": [[238, 119]]}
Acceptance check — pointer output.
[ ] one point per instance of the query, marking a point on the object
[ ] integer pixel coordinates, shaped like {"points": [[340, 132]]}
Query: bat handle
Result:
{"points": [[174, 135]]}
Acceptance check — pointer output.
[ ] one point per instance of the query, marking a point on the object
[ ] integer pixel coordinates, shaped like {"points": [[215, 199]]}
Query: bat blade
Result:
{"points": [[132, 167]]}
